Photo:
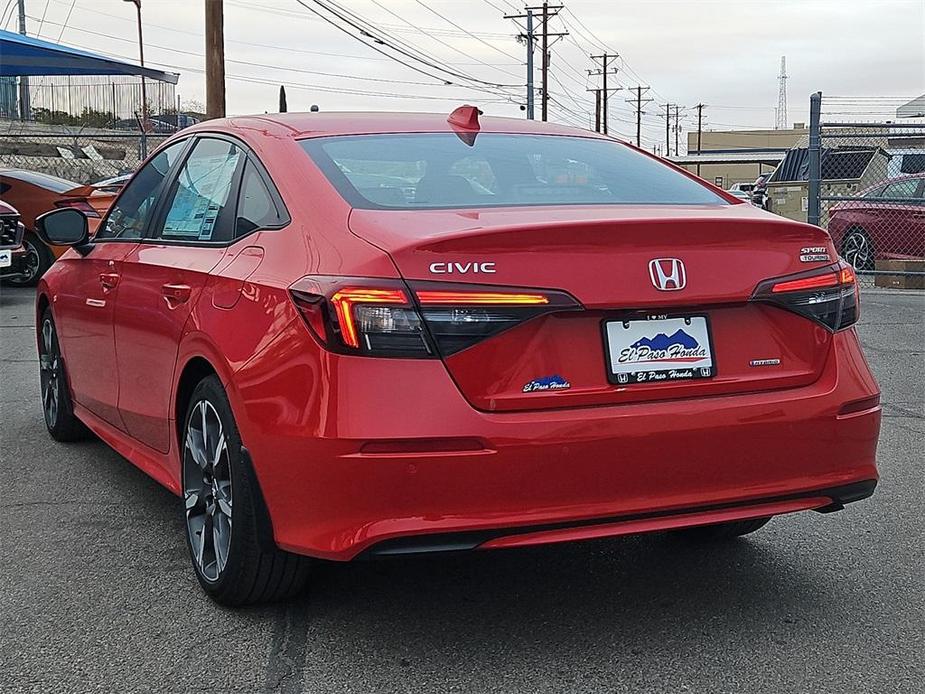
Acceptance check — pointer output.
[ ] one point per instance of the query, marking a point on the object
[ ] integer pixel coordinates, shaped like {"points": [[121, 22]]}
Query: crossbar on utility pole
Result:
{"points": [[215, 59]]}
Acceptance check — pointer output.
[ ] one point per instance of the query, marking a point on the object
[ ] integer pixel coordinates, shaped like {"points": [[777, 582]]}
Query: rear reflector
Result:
{"points": [[827, 295], [860, 405], [383, 317]]}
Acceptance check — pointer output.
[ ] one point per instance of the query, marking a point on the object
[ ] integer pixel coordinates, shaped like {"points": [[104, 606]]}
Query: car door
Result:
{"points": [[163, 278], [84, 306], [895, 226]]}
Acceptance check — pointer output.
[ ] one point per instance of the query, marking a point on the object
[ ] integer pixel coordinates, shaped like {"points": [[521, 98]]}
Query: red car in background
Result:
{"points": [[12, 252], [886, 221], [33, 193], [364, 335]]}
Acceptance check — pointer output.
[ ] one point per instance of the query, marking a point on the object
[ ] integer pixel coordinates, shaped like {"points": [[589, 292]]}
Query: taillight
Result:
{"points": [[81, 205], [827, 295], [378, 317]]}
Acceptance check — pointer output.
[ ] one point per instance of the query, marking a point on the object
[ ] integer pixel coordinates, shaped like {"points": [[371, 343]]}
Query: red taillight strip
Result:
{"points": [[344, 299], [464, 298], [829, 279]]}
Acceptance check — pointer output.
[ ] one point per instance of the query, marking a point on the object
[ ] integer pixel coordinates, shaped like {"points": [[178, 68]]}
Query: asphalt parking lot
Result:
{"points": [[96, 591]]}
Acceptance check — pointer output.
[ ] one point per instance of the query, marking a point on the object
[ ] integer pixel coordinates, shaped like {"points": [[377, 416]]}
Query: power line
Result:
{"points": [[469, 33], [422, 31]]}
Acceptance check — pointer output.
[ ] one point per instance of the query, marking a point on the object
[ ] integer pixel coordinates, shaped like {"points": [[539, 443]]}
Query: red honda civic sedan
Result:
{"points": [[358, 335]]}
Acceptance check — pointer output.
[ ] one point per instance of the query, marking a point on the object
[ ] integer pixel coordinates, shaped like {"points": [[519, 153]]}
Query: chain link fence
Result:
{"points": [[83, 155], [866, 186]]}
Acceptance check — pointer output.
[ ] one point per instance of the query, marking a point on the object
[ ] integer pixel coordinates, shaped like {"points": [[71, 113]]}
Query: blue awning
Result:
{"points": [[24, 56]]}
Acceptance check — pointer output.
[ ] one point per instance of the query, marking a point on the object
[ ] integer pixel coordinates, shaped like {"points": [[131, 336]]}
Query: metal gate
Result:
{"points": [[867, 188]]}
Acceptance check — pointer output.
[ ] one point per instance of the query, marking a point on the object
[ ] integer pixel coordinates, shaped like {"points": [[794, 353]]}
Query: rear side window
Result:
{"points": [[901, 189], [200, 202], [256, 208], [440, 170]]}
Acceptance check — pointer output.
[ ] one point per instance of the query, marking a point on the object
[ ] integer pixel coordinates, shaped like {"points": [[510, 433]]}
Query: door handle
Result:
{"points": [[109, 280], [176, 294]]}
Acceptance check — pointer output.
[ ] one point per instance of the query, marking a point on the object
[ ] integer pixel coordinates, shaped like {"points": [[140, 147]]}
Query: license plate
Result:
{"points": [[6, 258], [658, 350]]}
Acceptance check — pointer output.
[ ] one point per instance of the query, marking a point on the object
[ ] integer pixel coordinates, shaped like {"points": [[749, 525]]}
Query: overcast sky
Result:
{"points": [[725, 54]]}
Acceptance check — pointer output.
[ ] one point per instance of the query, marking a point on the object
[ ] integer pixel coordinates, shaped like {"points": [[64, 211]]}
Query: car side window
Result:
{"points": [[901, 189], [200, 202], [130, 213], [256, 208]]}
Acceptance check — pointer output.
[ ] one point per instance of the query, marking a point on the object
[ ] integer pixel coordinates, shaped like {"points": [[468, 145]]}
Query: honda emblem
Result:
{"points": [[667, 274]]}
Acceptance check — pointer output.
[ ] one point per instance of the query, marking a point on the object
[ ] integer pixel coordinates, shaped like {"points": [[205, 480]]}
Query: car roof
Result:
{"points": [[318, 124]]}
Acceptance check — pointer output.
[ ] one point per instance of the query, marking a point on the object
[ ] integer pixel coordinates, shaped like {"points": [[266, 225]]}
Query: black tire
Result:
{"points": [[719, 532], [57, 406], [244, 566], [36, 263], [857, 248]]}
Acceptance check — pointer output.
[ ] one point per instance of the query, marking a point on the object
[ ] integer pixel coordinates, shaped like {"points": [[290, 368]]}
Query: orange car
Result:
{"points": [[33, 193]]}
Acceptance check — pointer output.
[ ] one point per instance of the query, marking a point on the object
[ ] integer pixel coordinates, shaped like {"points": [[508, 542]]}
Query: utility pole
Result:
{"points": [[677, 129], [215, 59], [603, 71], [547, 12], [597, 110], [25, 110], [699, 133], [528, 38], [639, 101], [667, 108], [144, 93]]}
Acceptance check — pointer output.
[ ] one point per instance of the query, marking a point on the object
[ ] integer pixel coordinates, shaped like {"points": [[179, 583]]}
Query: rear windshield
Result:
{"points": [[440, 170]]}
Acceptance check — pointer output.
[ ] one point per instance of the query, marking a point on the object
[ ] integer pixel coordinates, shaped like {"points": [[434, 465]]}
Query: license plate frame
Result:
{"points": [[671, 358]]}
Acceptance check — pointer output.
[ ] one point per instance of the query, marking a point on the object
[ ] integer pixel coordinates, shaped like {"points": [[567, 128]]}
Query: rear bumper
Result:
{"points": [[376, 456], [821, 500]]}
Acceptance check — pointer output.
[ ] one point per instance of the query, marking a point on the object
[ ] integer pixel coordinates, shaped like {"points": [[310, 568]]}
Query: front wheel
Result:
{"points": [[235, 562], [721, 531]]}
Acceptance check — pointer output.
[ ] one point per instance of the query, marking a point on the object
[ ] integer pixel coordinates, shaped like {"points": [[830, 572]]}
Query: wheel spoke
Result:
{"points": [[219, 449], [46, 336], [192, 499], [221, 540], [194, 442]]}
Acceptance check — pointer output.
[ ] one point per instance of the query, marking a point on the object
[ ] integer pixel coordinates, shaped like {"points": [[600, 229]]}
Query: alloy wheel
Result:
{"points": [[31, 264], [50, 372], [207, 490], [858, 250]]}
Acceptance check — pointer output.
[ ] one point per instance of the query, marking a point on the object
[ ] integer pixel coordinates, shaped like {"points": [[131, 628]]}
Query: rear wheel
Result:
{"points": [[224, 510], [57, 406], [722, 531], [858, 249], [35, 263]]}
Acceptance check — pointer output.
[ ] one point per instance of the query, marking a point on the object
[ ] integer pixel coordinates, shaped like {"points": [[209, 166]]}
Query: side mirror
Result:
{"points": [[64, 227]]}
